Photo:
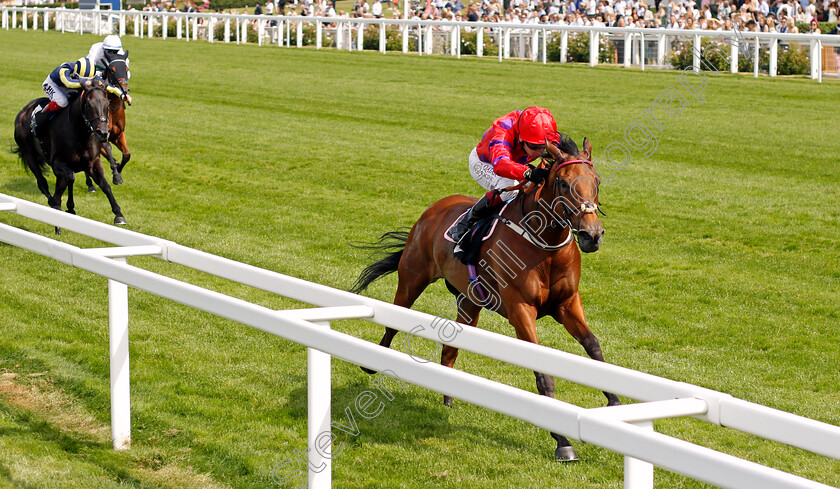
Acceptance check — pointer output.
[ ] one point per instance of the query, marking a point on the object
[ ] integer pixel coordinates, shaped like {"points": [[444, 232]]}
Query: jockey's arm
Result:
{"points": [[70, 79], [503, 164]]}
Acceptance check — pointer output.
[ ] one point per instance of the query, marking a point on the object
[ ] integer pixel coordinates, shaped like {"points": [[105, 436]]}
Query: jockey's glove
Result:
{"points": [[536, 175]]}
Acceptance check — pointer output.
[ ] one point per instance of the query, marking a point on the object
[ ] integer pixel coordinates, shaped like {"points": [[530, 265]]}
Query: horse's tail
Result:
{"points": [[389, 247]]}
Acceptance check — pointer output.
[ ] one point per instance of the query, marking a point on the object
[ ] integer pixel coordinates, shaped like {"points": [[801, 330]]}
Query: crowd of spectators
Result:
{"points": [[746, 15]]}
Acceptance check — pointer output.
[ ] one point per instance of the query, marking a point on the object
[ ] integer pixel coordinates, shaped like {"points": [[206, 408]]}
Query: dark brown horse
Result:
{"points": [[116, 73], [524, 274], [72, 144]]}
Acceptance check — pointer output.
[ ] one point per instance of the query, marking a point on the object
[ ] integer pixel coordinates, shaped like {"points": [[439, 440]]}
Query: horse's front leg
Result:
{"points": [[123, 147], [523, 317], [107, 151], [570, 314], [99, 177]]}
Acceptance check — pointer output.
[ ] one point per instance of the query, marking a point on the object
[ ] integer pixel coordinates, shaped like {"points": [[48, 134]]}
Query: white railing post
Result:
{"points": [[755, 58], [360, 37], [660, 51], [734, 52], [5, 19], [507, 43], [499, 42], [319, 35], [453, 41], [164, 26], [300, 34], [774, 58], [593, 47], [535, 45], [405, 30], [118, 350], [638, 474], [698, 51], [430, 40], [122, 24], [642, 51], [195, 28], [479, 42], [179, 27], [628, 46], [14, 19], [261, 31], [382, 37], [564, 46], [25, 19], [816, 59], [211, 30], [137, 29], [544, 46], [227, 30], [458, 41], [319, 394]]}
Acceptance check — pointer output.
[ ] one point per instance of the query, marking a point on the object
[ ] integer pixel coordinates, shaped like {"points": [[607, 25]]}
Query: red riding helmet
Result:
{"points": [[536, 124]]}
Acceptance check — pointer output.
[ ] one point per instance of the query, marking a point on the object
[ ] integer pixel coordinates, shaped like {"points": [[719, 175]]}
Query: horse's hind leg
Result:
{"points": [[99, 177], [413, 280], [89, 183], [126, 154], [570, 314], [64, 178], [467, 314]]}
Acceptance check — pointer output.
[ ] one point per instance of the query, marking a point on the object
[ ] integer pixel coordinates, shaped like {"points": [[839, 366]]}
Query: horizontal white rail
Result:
{"points": [[535, 36], [611, 428]]}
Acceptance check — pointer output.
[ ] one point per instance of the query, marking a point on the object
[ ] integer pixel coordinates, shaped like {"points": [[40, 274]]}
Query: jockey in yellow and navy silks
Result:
{"points": [[62, 84]]}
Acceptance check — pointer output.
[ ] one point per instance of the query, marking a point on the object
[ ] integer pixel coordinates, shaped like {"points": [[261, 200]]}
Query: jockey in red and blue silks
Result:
{"points": [[501, 159]]}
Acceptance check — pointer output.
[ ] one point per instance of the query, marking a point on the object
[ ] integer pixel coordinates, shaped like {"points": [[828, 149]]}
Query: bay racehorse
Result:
{"points": [[73, 142], [526, 271], [116, 73]]}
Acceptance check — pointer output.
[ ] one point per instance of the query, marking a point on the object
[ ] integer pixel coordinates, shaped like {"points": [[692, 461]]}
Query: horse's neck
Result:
{"points": [[542, 216]]}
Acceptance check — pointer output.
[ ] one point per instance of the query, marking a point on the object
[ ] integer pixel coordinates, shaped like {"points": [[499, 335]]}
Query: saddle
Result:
{"points": [[476, 236]]}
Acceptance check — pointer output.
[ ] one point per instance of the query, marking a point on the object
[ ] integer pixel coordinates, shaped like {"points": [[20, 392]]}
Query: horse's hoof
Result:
{"points": [[447, 401], [118, 180], [120, 221], [71, 211], [58, 230], [91, 189], [367, 370], [566, 454]]}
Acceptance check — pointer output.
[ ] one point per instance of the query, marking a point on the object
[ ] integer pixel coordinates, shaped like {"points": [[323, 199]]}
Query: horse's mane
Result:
{"points": [[567, 144]]}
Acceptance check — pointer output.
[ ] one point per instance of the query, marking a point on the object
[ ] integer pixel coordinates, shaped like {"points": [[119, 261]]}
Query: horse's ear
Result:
{"points": [[587, 146], [126, 54], [554, 152]]}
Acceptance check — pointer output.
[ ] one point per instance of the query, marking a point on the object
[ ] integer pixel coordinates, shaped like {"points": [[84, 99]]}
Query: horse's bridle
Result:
{"points": [[89, 122], [111, 74], [586, 207]]}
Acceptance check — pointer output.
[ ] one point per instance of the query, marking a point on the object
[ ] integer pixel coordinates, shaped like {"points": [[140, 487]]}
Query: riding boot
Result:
{"points": [[39, 123], [479, 211]]}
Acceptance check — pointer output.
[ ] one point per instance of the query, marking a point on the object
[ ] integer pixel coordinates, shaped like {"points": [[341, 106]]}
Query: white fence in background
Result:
{"points": [[637, 47], [626, 429]]}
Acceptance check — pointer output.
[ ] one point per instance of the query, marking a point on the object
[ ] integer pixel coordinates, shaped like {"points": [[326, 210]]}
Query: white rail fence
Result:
{"points": [[635, 47], [624, 429]]}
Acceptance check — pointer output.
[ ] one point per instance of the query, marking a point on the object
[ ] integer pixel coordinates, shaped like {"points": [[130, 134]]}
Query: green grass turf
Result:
{"points": [[719, 265]]}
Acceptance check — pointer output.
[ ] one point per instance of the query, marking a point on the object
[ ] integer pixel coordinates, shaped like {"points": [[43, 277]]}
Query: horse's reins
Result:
{"points": [[527, 187]]}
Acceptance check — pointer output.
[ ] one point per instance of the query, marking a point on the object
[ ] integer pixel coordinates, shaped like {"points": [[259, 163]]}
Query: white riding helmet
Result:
{"points": [[112, 43]]}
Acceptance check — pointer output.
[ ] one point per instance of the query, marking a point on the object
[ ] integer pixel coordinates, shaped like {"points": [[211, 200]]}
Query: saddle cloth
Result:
{"points": [[476, 236]]}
